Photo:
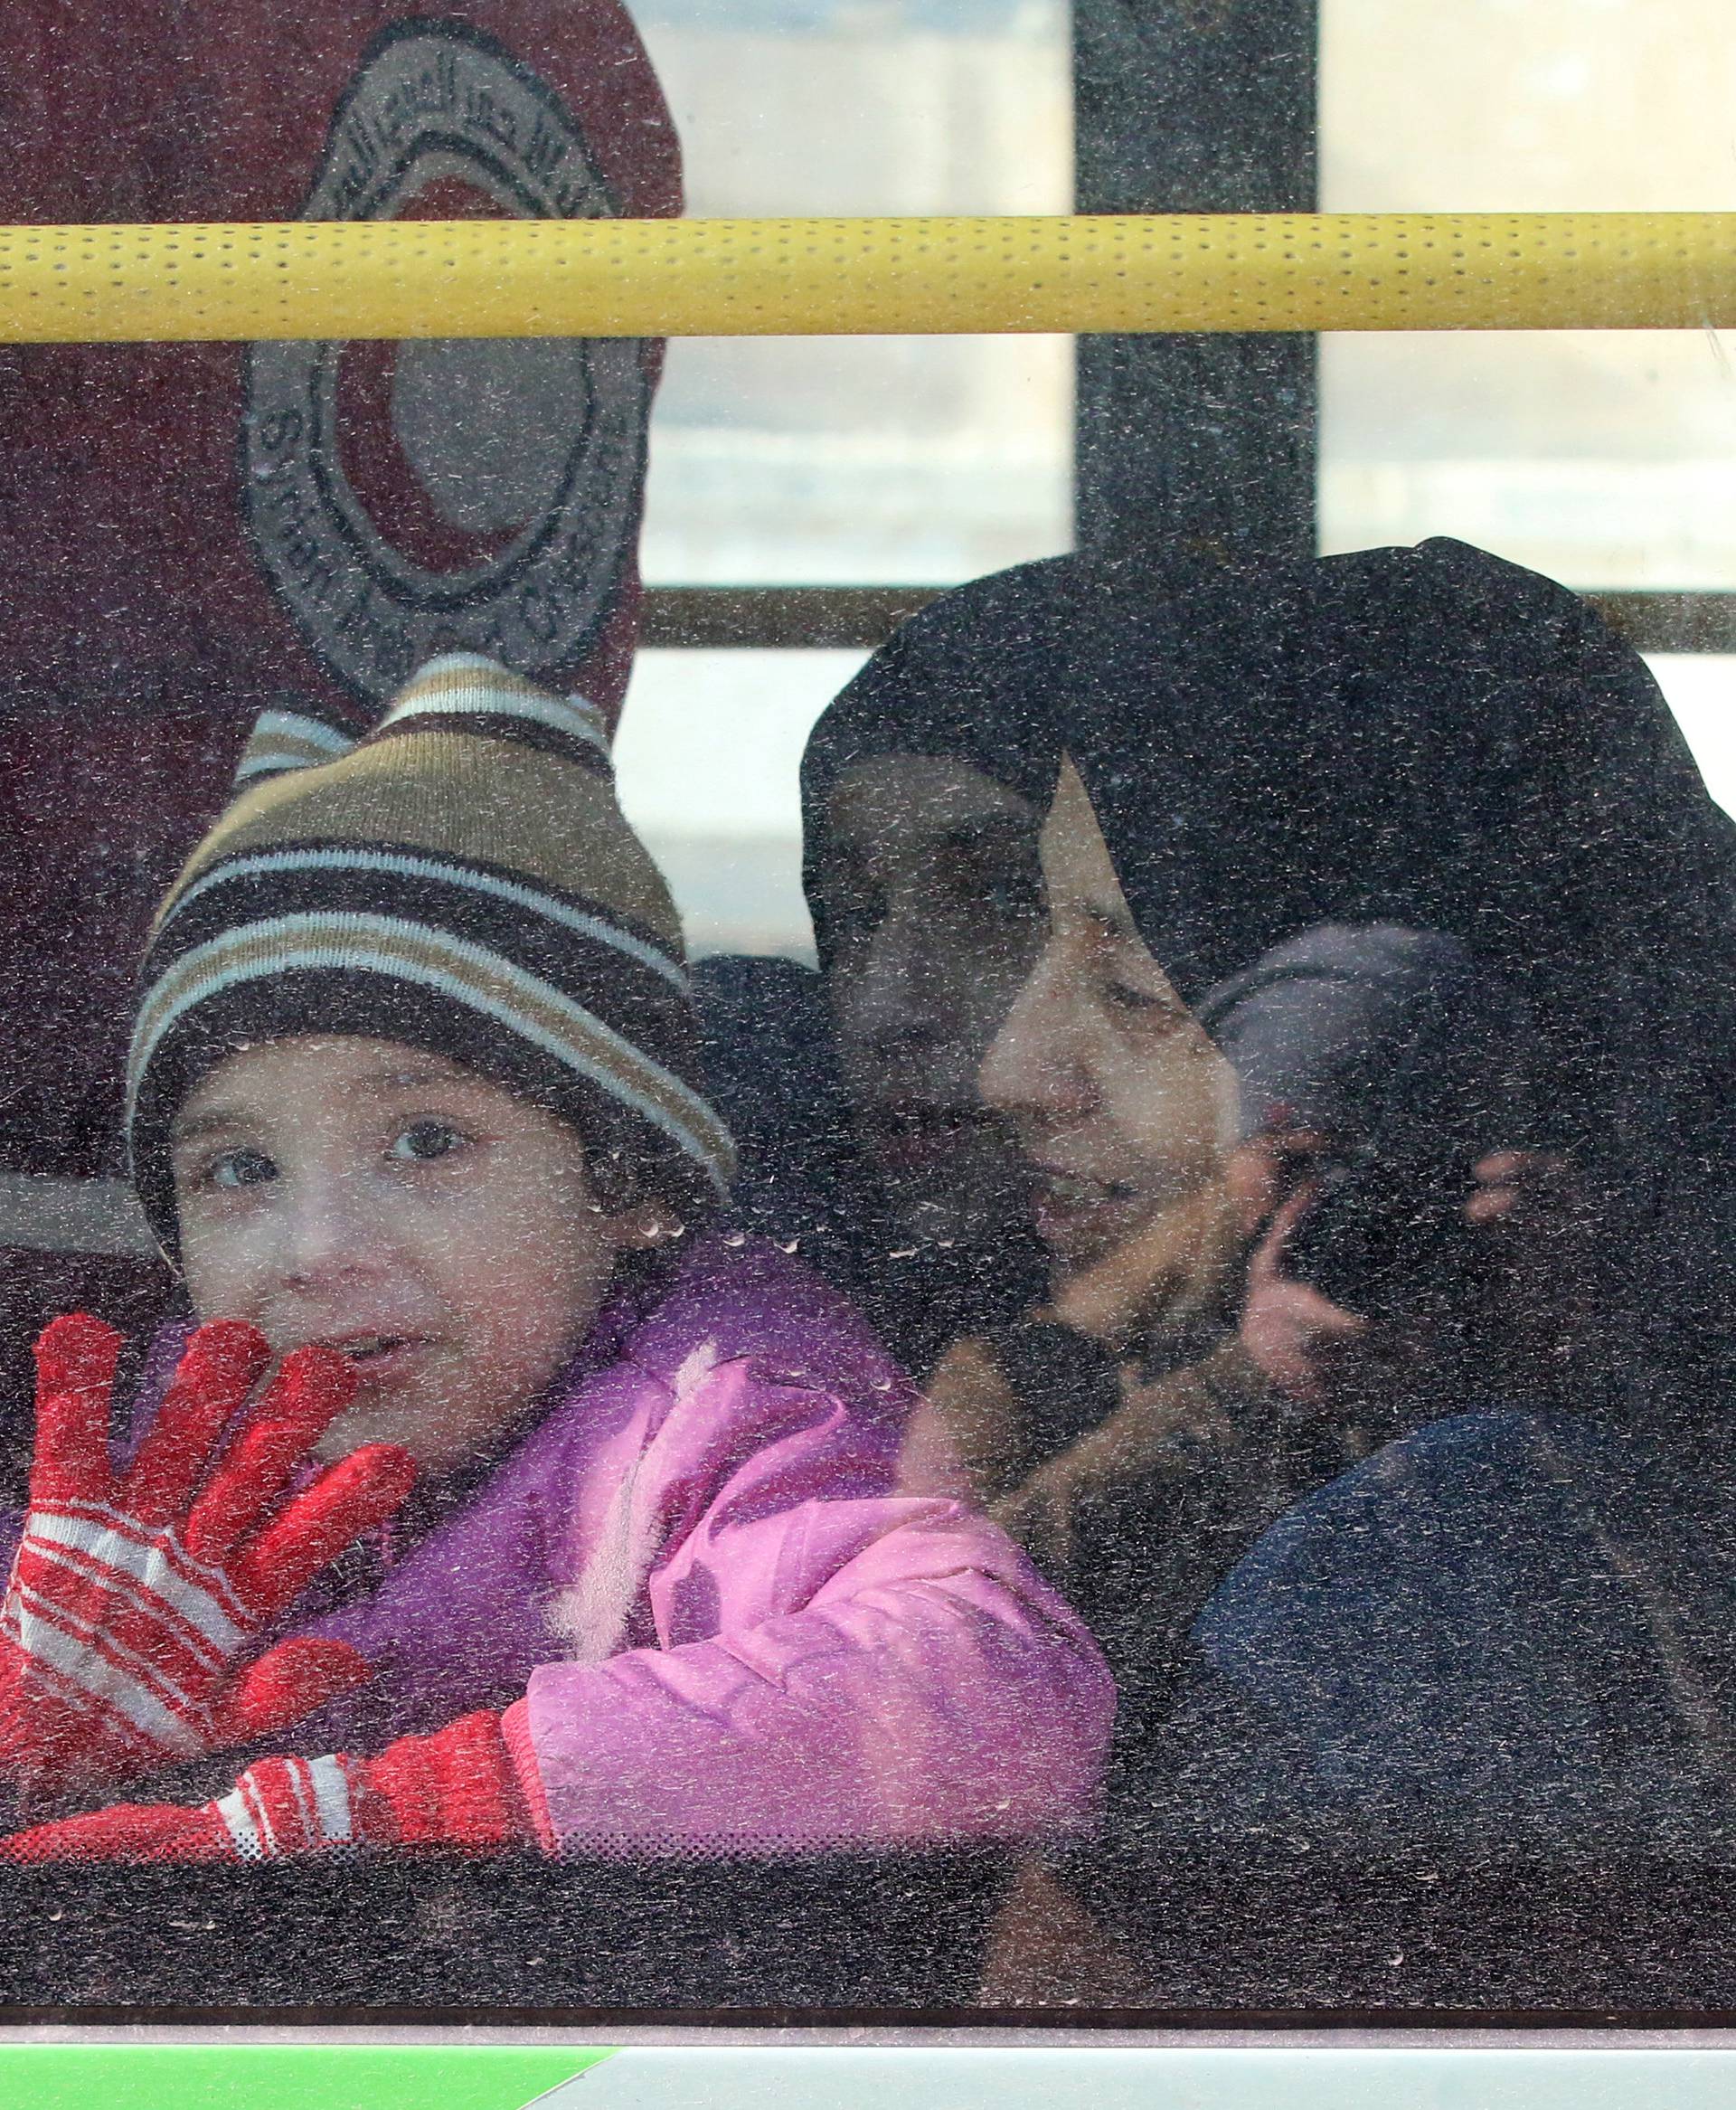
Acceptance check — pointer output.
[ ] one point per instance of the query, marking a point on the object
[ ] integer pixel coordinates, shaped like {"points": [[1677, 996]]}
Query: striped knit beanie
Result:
{"points": [[462, 881]]}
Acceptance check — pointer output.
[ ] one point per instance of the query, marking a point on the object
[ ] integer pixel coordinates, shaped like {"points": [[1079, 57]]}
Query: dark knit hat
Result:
{"points": [[463, 881]]}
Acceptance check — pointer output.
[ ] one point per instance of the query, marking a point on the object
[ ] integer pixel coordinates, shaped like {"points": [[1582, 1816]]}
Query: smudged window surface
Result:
{"points": [[949, 1306]]}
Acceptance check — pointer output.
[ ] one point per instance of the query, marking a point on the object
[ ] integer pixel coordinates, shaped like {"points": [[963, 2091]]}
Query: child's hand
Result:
{"points": [[458, 1790], [134, 1601]]}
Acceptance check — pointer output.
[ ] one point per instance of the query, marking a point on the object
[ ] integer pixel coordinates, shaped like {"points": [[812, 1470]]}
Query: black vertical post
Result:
{"points": [[1195, 445]]}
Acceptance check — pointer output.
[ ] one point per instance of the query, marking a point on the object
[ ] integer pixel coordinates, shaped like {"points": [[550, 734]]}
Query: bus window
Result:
{"points": [[850, 1174]]}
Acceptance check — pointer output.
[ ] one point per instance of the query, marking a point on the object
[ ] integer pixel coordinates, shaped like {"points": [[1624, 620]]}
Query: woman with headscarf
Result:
{"points": [[1325, 787], [922, 786], [1435, 743], [1437, 739], [1177, 1385]]}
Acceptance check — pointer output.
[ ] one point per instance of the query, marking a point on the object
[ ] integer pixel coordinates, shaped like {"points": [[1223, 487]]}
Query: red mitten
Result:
{"points": [[459, 1790], [134, 1601]]}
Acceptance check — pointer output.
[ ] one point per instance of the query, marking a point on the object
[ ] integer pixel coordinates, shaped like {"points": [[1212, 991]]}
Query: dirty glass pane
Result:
{"points": [[1605, 460], [1026, 1316], [707, 755], [825, 461]]}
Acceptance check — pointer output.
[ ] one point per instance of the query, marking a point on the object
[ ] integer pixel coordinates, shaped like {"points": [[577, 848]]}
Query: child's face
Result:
{"points": [[443, 1234]]}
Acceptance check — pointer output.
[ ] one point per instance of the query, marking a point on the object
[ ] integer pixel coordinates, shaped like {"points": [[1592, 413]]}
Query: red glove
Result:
{"points": [[459, 1789], [133, 1602]]}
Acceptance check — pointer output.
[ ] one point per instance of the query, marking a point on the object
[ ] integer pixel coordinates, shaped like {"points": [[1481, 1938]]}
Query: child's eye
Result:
{"points": [[245, 1167], [425, 1140]]}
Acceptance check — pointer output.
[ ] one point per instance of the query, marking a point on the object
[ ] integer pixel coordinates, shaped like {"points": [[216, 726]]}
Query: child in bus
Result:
{"points": [[414, 1105]]}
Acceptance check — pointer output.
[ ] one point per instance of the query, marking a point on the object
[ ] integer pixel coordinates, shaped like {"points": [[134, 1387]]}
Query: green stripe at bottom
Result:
{"points": [[283, 2077], [1322, 2074]]}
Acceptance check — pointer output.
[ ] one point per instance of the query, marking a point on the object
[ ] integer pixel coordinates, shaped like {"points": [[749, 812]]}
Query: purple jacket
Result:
{"points": [[727, 1630]]}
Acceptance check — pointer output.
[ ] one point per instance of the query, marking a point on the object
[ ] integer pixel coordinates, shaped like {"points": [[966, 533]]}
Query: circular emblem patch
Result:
{"points": [[432, 496]]}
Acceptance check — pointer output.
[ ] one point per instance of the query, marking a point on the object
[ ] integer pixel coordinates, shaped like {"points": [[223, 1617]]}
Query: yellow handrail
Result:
{"points": [[775, 278]]}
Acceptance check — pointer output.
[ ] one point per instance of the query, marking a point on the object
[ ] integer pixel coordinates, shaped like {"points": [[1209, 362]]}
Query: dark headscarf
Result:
{"points": [[971, 678], [1434, 738], [1429, 737]]}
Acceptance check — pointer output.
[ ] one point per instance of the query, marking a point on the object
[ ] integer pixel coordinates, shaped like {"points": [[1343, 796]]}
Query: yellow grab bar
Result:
{"points": [[775, 278]]}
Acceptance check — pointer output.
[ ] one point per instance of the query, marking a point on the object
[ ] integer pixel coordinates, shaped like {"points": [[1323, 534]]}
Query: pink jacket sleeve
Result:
{"points": [[834, 1666]]}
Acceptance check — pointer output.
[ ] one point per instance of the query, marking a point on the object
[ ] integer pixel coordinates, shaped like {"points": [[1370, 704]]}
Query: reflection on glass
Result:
{"points": [[1119, 1270]]}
